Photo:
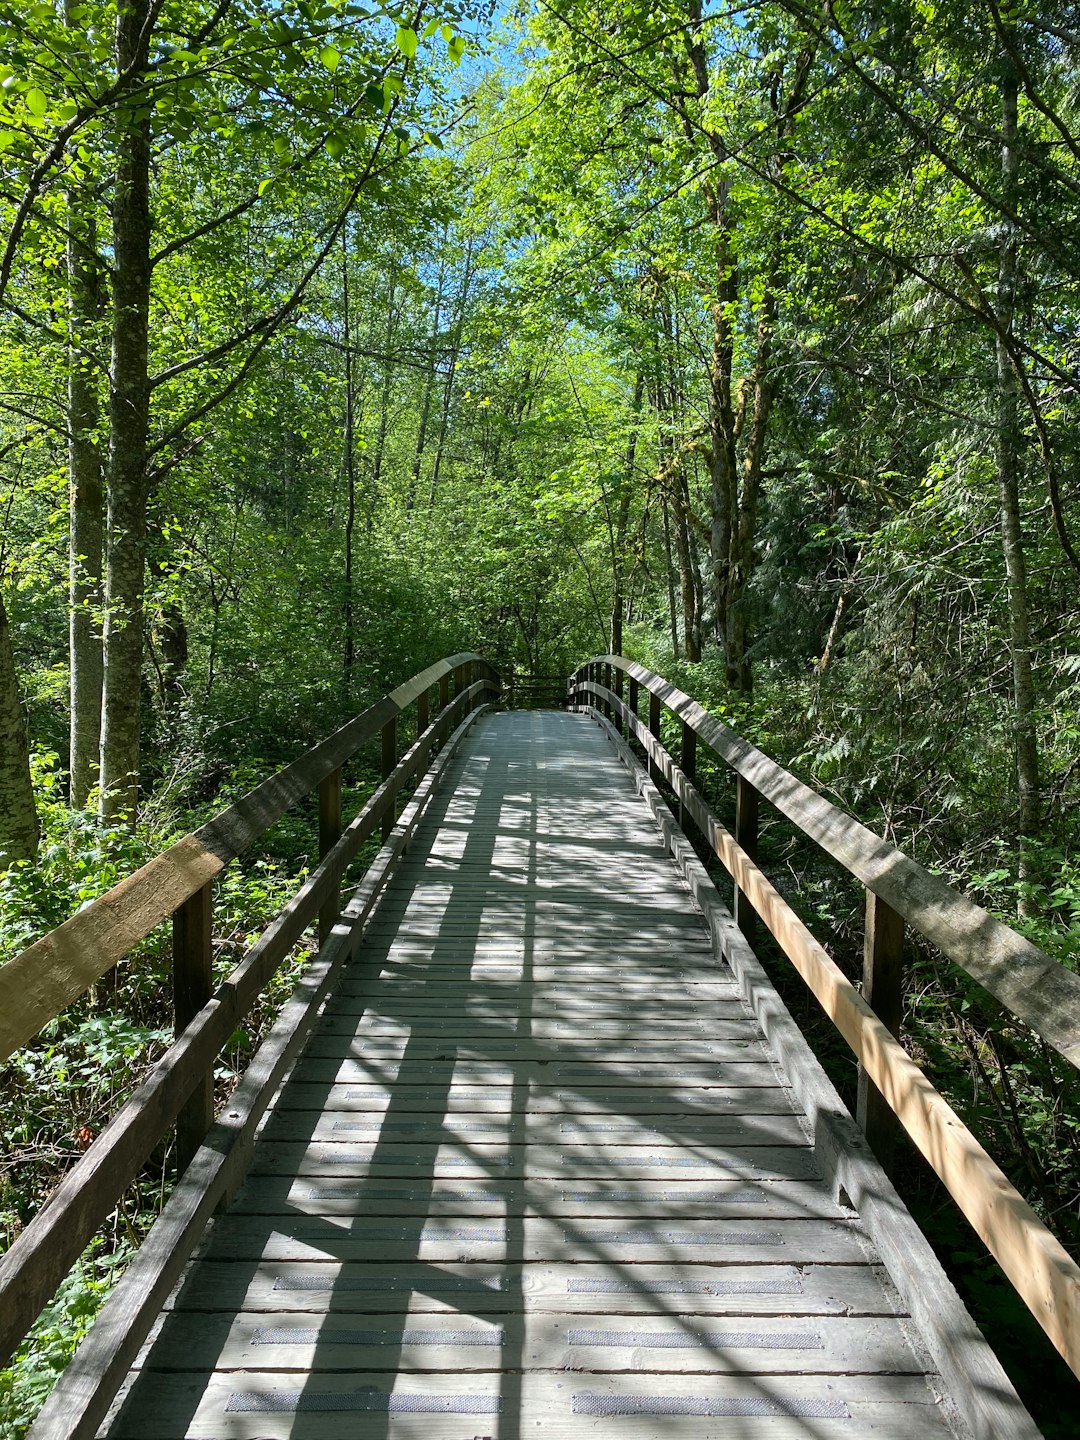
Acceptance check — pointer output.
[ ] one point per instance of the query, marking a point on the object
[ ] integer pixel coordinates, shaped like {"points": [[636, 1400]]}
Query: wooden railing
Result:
{"points": [[532, 692], [1035, 989], [44, 979]]}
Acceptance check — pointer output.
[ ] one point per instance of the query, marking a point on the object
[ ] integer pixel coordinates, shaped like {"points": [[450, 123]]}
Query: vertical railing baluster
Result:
{"points": [[883, 991], [688, 765], [329, 835], [422, 713], [444, 690], [746, 836], [620, 724], [632, 706], [654, 729], [193, 985], [389, 760]]}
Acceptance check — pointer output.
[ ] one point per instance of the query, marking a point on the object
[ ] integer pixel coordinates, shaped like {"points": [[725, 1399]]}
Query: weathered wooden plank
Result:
{"points": [[737, 1199], [436, 1238], [413, 1069], [530, 1098], [289, 1404], [705, 1133], [464, 1343], [478, 1158], [482, 1288]]}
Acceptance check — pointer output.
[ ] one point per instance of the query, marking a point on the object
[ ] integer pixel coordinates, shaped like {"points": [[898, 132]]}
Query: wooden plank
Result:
{"points": [[583, 1074], [287, 1404], [732, 1199], [482, 1288], [1036, 989], [534, 1099], [705, 1133], [293, 1340], [748, 1162]]}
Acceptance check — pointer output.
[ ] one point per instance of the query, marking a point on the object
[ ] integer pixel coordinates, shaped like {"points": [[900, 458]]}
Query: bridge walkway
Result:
{"points": [[536, 1173]]}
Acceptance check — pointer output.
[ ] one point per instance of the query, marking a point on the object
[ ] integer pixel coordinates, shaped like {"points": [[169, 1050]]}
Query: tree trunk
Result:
{"points": [[129, 408], [18, 814], [86, 307], [429, 386], [349, 447], [622, 521], [1008, 468]]}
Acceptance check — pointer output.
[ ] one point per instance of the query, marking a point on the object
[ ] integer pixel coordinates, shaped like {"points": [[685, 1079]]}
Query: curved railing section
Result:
{"points": [[1033, 987], [49, 975]]}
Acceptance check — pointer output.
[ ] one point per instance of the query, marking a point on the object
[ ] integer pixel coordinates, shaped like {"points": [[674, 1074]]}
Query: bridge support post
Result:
{"points": [[688, 765], [620, 724], [883, 990], [746, 837], [444, 691], [389, 760], [632, 705], [193, 985], [329, 835], [655, 773], [422, 715]]}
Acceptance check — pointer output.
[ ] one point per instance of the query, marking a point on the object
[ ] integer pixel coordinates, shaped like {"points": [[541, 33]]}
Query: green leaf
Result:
{"points": [[36, 102], [330, 57], [406, 41], [335, 146]]}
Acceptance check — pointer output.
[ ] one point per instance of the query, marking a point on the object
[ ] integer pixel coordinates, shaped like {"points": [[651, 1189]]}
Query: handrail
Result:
{"points": [[37, 984], [180, 1086], [1043, 1273], [1035, 988]]}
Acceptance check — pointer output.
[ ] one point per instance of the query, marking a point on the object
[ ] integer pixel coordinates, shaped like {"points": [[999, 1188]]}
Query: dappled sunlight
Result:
{"points": [[536, 1166]]}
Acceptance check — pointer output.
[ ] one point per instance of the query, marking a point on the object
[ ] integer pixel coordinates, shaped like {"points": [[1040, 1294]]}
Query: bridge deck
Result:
{"points": [[548, 1181]]}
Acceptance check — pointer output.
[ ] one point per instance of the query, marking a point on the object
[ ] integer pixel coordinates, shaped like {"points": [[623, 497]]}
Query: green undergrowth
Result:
{"points": [[62, 1088]]}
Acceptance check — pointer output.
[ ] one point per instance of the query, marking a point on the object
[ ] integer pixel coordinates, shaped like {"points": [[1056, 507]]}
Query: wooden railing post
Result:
{"points": [[688, 765], [444, 691], [329, 835], [746, 837], [193, 985], [632, 705], [389, 760], [620, 725], [654, 729], [422, 713], [883, 990]]}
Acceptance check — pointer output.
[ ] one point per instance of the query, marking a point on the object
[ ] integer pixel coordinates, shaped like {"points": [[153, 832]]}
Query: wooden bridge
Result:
{"points": [[535, 1149]]}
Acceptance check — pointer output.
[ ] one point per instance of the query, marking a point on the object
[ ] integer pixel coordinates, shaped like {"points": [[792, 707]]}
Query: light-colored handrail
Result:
{"points": [[1043, 1273], [1039, 991], [61, 966]]}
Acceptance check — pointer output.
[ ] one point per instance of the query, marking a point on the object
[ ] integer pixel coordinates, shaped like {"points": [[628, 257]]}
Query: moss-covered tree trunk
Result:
{"points": [[18, 814]]}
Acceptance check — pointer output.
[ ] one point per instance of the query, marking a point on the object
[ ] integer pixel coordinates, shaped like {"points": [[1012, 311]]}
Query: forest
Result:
{"points": [[743, 340]]}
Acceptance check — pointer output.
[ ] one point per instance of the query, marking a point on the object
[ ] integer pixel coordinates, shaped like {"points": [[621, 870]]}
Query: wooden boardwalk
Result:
{"points": [[536, 1173]]}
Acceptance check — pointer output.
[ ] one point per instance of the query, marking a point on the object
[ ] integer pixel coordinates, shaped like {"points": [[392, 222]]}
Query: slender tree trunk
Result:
{"points": [[18, 813], [86, 306], [1008, 468], [429, 388], [744, 529], [129, 411], [387, 391], [670, 572], [451, 373], [349, 445], [622, 521]]}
